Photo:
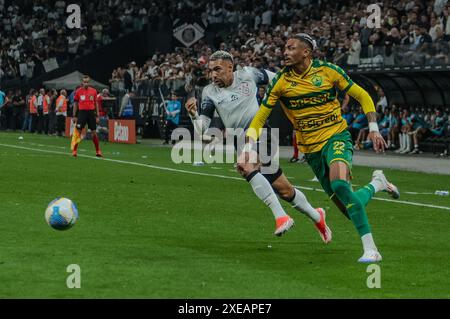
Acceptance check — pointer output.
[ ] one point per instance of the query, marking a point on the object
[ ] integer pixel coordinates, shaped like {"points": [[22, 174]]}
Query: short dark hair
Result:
{"points": [[221, 55], [305, 38]]}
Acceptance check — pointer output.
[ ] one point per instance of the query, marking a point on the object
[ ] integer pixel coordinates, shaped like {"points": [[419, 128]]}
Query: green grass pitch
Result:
{"points": [[144, 232]]}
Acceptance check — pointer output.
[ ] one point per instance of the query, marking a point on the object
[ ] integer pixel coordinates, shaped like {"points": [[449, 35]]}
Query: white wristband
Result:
{"points": [[373, 127]]}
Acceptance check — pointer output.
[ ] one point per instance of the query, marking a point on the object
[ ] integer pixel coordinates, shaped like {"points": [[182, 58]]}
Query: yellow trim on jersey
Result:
{"points": [[309, 101]]}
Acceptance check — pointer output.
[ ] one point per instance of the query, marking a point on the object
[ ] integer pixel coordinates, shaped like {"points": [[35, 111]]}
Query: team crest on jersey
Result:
{"points": [[244, 89], [293, 84], [316, 80]]}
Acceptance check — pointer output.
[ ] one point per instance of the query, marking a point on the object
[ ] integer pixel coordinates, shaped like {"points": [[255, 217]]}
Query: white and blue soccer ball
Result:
{"points": [[61, 213]]}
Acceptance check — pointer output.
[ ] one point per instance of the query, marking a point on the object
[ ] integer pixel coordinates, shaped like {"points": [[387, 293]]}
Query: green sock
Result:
{"points": [[355, 206], [365, 194]]}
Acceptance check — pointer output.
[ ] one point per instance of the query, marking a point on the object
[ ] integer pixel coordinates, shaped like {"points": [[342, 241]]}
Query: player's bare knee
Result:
{"points": [[286, 193]]}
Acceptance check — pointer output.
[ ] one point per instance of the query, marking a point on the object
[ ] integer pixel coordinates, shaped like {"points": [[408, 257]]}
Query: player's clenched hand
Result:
{"points": [[191, 105], [379, 144]]}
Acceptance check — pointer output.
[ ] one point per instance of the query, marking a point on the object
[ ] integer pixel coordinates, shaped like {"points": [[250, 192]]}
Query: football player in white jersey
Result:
{"points": [[233, 96]]}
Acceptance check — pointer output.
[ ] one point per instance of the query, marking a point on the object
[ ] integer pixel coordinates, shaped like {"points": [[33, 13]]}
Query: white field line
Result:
{"points": [[203, 174]]}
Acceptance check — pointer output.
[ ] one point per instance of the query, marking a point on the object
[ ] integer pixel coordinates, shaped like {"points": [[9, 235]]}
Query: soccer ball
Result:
{"points": [[61, 213]]}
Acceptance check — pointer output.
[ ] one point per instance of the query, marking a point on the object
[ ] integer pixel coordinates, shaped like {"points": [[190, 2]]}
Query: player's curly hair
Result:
{"points": [[221, 55]]}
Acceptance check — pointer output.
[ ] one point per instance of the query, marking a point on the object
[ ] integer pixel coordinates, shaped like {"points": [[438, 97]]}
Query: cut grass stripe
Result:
{"points": [[203, 174]]}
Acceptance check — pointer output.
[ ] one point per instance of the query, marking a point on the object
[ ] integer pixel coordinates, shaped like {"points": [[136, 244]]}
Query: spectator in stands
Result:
{"points": [[424, 45], [382, 101], [127, 75], [394, 128], [260, 94], [18, 108], [3, 102], [384, 124], [359, 123], [347, 115], [405, 136], [40, 109], [73, 42], [424, 130], [354, 51], [53, 95], [26, 124], [126, 106], [7, 111], [34, 113], [104, 114], [173, 110], [419, 130], [116, 82]]}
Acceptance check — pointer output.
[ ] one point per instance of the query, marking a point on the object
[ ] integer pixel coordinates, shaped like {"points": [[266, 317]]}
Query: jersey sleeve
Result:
{"points": [[207, 106], [274, 92], [261, 77], [363, 98], [340, 79]]}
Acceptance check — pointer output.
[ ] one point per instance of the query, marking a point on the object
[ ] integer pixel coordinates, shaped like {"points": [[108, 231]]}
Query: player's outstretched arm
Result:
{"points": [[201, 123], [361, 95]]}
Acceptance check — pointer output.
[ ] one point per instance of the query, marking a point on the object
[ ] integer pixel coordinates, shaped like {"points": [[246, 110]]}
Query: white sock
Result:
{"points": [[368, 243], [301, 204], [264, 191], [400, 139], [377, 185], [408, 142]]}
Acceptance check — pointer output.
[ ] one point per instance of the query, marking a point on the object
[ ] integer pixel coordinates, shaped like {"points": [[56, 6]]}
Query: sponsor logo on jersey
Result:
{"points": [[310, 101], [316, 123]]}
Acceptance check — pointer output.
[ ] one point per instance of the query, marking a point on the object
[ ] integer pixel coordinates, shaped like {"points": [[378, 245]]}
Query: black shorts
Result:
{"points": [[86, 117]]}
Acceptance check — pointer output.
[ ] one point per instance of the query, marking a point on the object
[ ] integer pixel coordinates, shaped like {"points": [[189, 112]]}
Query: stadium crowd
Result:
{"points": [[34, 31], [411, 31], [403, 128]]}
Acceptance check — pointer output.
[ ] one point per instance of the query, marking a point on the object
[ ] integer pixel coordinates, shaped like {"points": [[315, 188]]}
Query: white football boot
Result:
{"points": [[370, 256], [390, 188]]}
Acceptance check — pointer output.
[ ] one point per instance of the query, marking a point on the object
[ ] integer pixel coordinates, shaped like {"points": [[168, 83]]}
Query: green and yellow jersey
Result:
{"points": [[310, 102]]}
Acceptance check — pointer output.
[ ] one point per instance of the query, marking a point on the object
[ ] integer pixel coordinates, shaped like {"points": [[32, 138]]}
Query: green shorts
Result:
{"points": [[338, 148]]}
